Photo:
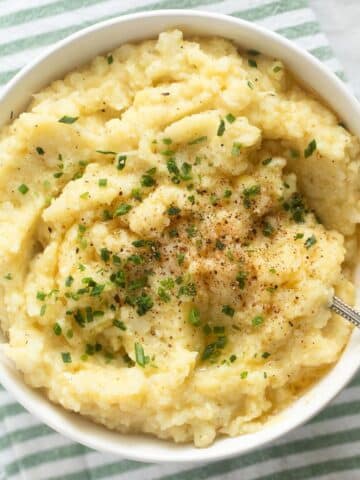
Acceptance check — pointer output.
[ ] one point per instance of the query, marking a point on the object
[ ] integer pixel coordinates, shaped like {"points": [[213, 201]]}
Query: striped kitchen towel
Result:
{"points": [[329, 445]]}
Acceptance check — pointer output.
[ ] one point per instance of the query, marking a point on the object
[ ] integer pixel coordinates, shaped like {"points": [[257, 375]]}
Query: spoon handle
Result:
{"points": [[347, 312]]}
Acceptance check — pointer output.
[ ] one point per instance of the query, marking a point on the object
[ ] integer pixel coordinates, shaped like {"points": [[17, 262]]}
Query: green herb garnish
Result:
{"points": [[298, 236], [235, 150], [121, 162], [122, 209], [23, 188], [102, 182], [66, 357], [227, 310], [249, 193], [57, 329], [256, 321], [198, 140], [252, 63], [173, 211], [267, 229], [310, 241], [221, 128], [40, 150], [241, 279], [230, 118], [68, 120], [310, 149], [141, 359], [144, 303], [105, 254], [119, 324]]}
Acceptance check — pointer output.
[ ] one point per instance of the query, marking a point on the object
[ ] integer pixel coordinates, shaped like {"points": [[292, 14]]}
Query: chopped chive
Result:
{"points": [[163, 295], [167, 141], [136, 194], [241, 279], [230, 118], [188, 290], [227, 193], [198, 140], [265, 355], [221, 128], [227, 310], [252, 63], [42, 310], [68, 120], [8, 276], [105, 254], [147, 180], [186, 171], [140, 355], [41, 296], [232, 358], [194, 317], [122, 209], [191, 231], [243, 375], [102, 182], [310, 149], [250, 85], [173, 211], [235, 150], [253, 52], [106, 152], [121, 161], [172, 167], [40, 150], [136, 259], [58, 174], [310, 241], [298, 236], [256, 321], [89, 314], [69, 333], [267, 161], [110, 59], [66, 357], [267, 229], [180, 258], [57, 329], [119, 324], [97, 289], [144, 303], [23, 188]]}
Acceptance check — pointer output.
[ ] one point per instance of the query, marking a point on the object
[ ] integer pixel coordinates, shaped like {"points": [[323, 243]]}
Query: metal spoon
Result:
{"points": [[347, 312]]}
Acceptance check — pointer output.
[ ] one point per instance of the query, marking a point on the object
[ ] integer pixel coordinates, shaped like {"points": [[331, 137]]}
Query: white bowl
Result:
{"points": [[79, 49]]}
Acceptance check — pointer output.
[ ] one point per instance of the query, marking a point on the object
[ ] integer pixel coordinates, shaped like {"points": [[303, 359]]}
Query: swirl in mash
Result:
{"points": [[173, 222]]}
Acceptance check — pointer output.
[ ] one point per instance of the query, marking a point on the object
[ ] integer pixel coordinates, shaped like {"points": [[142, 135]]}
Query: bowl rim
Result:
{"points": [[31, 400]]}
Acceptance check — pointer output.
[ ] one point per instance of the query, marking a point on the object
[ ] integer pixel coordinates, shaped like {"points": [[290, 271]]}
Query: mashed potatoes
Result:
{"points": [[174, 219]]}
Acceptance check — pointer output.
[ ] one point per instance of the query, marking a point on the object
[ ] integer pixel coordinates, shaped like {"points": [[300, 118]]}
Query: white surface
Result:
{"points": [[103, 37], [340, 20]]}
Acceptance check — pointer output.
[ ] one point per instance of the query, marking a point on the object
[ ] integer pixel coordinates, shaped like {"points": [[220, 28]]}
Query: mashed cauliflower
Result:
{"points": [[174, 220]]}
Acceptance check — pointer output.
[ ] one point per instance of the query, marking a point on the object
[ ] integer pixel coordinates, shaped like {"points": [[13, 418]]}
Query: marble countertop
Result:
{"points": [[340, 21]]}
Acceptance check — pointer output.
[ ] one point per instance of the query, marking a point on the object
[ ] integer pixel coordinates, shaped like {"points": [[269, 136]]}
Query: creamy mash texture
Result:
{"points": [[174, 219]]}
